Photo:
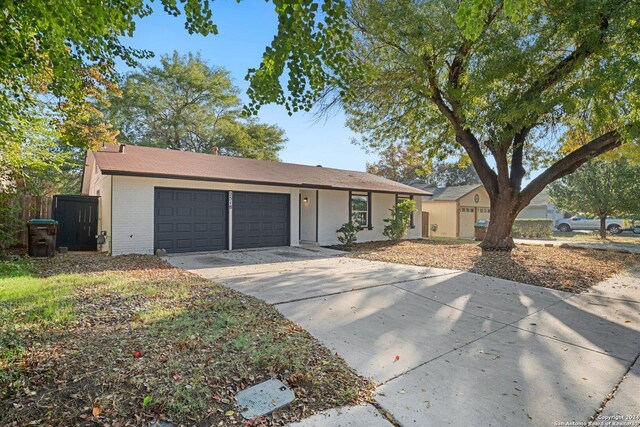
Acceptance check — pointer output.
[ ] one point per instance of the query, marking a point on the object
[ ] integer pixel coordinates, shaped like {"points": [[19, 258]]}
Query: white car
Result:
{"points": [[614, 225]]}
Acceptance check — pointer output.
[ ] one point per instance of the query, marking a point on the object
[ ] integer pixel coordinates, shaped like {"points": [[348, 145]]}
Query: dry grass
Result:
{"points": [[573, 270], [71, 326]]}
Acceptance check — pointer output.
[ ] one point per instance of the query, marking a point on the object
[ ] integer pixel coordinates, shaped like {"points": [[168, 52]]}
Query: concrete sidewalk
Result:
{"points": [[448, 347]]}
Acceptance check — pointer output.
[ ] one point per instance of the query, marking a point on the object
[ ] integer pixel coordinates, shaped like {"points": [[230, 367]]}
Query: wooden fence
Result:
{"points": [[29, 207]]}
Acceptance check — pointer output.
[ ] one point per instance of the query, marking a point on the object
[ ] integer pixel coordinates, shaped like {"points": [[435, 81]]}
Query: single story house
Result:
{"points": [[453, 211], [151, 198], [541, 207]]}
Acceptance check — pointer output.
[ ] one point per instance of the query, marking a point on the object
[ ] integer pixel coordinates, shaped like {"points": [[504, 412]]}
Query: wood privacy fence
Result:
{"points": [[29, 207]]}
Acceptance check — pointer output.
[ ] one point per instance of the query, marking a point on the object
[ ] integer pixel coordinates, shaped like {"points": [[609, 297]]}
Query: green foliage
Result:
{"points": [[19, 268], [400, 220], [58, 58], [602, 187], [398, 164], [406, 49], [349, 231], [451, 174], [533, 228], [185, 104], [310, 44], [514, 85]]}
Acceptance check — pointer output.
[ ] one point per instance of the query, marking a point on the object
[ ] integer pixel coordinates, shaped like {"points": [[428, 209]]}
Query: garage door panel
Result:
{"points": [[165, 228], [467, 221], [190, 220], [165, 244], [260, 220]]}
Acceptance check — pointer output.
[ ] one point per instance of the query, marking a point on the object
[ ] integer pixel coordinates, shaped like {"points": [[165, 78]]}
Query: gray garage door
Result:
{"points": [[260, 220], [190, 220]]}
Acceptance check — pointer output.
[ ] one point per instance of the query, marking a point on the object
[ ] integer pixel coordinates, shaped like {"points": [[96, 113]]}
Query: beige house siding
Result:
{"points": [[456, 218], [483, 198], [443, 215]]}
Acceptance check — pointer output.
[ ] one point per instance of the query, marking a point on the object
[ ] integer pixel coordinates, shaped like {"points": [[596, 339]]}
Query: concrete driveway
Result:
{"points": [[473, 350]]}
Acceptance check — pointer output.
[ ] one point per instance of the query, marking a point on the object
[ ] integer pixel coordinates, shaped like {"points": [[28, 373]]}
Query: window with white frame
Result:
{"points": [[360, 209]]}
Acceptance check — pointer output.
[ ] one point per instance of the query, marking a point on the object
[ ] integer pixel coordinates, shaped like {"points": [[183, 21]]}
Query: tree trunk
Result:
{"points": [[498, 237], [603, 227]]}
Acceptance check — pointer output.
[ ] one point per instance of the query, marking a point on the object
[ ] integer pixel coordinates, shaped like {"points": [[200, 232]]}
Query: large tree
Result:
{"points": [[601, 187], [450, 174], [553, 85], [58, 57], [399, 164], [185, 104]]}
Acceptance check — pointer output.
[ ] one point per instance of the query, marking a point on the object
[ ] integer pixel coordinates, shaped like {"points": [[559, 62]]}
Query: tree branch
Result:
{"points": [[563, 68], [464, 137], [517, 158], [570, 163], [456, 68]]}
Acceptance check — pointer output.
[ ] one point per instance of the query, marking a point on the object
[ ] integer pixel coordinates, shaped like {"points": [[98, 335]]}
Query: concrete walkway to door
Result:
{"points": [[473, 350]]}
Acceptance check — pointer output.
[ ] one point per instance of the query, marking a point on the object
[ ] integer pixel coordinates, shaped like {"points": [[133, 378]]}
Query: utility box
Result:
{"points": [[42, 237], [480, 228]]}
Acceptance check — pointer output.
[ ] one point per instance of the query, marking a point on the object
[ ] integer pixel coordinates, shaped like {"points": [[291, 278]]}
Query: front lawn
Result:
{"points": [[98, 340], [573, 270]]}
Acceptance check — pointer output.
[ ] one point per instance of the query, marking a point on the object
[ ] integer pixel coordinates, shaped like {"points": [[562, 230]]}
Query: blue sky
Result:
{"points": [[245, 29]]}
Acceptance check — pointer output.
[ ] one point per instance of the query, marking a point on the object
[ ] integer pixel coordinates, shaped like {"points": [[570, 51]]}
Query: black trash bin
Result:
{"points": [[481, 229], [42, 237]]}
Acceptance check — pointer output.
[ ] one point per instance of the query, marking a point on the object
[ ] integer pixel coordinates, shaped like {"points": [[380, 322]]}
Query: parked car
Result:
{"points": [[578, 222]]}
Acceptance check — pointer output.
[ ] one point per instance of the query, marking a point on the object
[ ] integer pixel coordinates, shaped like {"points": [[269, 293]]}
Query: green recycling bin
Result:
{"points": [[480, 228]]}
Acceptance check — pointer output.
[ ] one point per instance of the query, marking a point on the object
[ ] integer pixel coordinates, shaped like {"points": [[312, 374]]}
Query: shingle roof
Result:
{"points": [[450, 193], [157, 162]]}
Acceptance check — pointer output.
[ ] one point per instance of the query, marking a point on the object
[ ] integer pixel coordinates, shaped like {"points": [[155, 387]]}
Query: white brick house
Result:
{"points": [[179, 201]]}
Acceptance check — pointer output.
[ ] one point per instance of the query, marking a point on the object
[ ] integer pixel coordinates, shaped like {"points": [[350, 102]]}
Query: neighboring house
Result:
{"points": [[541, 207], [153, 198], [453, 211]]}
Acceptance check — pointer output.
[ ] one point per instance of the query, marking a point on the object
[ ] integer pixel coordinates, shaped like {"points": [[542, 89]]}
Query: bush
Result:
{"points": [[533, 228], [400, 220], [349, 231]]}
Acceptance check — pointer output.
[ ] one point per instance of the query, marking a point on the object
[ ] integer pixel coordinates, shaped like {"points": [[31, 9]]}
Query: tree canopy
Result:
{"points": [[56, 56], [601, 187], [399, 164], [405, 165], [185, 104], [451, 174], [550, 85]]}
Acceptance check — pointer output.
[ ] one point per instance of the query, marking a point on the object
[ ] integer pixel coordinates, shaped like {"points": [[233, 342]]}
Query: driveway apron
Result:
{"points": [[449, 347]]}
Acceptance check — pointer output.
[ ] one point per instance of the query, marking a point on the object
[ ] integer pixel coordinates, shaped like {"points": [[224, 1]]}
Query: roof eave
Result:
{"points": [[414, 192]]}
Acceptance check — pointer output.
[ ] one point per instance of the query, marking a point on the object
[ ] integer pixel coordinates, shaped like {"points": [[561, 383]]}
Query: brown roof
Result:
{"points": [[161, 163]]}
